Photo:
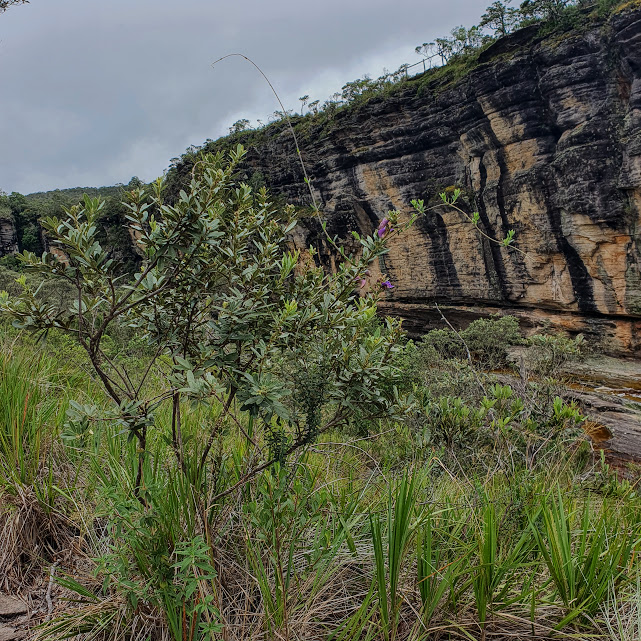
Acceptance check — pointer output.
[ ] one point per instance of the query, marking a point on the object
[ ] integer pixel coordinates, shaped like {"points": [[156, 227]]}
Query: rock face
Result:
{"points": [[8, 237], [542, 137], [10, 608]]}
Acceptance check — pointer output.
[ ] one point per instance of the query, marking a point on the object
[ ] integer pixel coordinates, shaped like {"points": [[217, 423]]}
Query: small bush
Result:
{"points": [[452, 422], [445, 343], [487, 339], [548, 354]]}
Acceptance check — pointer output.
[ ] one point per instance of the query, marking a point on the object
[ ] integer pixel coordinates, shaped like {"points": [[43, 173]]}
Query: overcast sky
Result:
{"points": [[93, 92]]}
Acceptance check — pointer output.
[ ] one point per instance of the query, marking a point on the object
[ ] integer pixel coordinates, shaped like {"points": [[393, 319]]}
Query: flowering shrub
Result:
{"points": [[228, 313]]}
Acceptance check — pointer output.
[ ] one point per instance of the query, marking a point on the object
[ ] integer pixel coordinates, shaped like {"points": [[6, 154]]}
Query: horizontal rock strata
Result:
{"points": [[543, 138]]}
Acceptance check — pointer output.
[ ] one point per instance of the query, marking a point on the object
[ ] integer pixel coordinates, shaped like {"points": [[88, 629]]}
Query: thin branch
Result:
{"points": [[467, 349], [338, 418], [176, 432], [123, 375], [214, 430], [240, 426], [289, 121], [52, 573], [148, 369]]}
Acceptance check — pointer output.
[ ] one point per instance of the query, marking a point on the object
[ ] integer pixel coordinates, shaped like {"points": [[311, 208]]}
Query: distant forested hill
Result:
{"points": [[24, 211]]}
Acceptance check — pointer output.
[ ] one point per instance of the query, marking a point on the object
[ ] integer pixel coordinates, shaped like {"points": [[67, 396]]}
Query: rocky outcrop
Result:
{"points": [[543, 138], [8, 236]]}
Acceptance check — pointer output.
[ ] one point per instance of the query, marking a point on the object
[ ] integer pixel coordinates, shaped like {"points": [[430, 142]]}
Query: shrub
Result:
{"points": [[487, 339], [499, 429], [273, 346], [548, 354], [445, 343], [452, 422], [31, 238]]}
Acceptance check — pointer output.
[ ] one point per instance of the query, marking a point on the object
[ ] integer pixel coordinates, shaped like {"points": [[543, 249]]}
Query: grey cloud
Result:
{"points": [[95, 92]]}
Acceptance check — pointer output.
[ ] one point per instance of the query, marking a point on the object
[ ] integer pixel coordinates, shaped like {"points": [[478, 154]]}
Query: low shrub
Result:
{"points": [[548, 354], [488, 341]]}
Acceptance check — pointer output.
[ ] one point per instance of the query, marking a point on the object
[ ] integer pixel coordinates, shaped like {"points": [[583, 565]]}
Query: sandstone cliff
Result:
{"points": [[8, 237], [543, 136]]}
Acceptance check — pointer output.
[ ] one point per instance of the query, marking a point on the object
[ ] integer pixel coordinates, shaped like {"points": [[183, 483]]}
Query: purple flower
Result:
{"points": [[387, 285], [382, 228], [362, 282]]}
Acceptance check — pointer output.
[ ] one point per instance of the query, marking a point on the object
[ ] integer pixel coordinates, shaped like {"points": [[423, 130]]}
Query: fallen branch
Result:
{"points": [[52, 572]]}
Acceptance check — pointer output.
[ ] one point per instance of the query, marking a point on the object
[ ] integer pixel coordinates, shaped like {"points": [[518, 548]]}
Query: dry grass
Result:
{"points": [[32, 538], [332, 600]]}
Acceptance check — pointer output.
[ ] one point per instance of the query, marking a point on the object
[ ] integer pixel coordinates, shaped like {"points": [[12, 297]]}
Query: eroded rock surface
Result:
{"points": [[8, 237], [543, 138], [10, 608], [8, 633]]}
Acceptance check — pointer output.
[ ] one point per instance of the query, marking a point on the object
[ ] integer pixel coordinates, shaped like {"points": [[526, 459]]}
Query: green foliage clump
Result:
{"points": [[55, 292], [224, 298], [487, 339], [586, 557], [234, 321], [25, 218], [5, 207], [451, 422], [26, 213], [444, 343], [500, 428], [548, 354]]}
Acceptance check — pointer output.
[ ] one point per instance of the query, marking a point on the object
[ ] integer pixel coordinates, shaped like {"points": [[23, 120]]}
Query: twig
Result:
{"points": [[289, 121], [467, 349], [52, 572], [306, 178]]}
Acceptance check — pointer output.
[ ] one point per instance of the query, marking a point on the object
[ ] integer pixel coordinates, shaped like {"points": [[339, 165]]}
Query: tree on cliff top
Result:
{"points": [[5, 4], [500, 18]]}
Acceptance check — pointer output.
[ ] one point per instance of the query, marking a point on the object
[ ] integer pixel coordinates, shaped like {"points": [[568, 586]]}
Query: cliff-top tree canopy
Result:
{"points": [[5, 4], [451, 55]]}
